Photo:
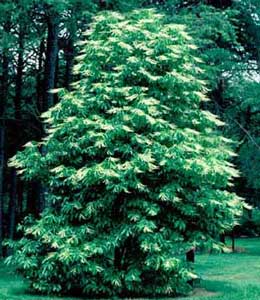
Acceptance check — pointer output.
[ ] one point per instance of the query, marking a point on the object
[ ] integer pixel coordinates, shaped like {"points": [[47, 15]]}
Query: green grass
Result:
{"points": [[233, 276]]}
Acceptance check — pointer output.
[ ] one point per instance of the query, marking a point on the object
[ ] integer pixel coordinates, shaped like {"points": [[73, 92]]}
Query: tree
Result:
{"points": [[137, 172]]}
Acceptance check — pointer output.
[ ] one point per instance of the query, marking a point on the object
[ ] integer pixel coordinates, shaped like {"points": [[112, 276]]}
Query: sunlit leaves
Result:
{"points": [[135, 170]]}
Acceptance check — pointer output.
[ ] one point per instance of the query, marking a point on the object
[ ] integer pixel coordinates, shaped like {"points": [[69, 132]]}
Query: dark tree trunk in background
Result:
{"points": [[41, 195], [69, 53], [217, 95], [40, 90], [233, 240], [19, 76], [33, 199], [222, 239], [190, 258], [12, 205], [20, 199], [56, 83], [3, 100], [51, 59]]}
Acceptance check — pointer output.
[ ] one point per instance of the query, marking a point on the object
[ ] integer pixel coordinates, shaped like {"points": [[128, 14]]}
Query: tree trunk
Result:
{"points": [[217, 95], [19, 76], [233, 240], [34, 205], [40, 91], [12, 204], [51, 59], [49, 79], [69, 57], [20, 201], [3, 100], [56, 84], [190, 258]]}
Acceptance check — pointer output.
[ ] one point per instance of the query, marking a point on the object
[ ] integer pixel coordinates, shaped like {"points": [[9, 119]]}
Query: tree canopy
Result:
{"points": [[136, 172]]}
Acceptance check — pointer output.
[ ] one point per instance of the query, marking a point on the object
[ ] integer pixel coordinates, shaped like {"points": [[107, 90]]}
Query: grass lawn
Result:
{"points": [[234, 276]]}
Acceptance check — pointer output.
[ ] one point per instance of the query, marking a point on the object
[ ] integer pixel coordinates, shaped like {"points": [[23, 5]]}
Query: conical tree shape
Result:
{"points": [[135, 170]]}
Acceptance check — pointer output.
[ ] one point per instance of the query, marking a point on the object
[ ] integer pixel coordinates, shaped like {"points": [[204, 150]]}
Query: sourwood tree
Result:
{"points": [[136, 171]]}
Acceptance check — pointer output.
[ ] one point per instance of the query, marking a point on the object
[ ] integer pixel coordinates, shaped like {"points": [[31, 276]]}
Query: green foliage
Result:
{"points": [[216, 38], [245, 107], [136, 171], [227, 41]]}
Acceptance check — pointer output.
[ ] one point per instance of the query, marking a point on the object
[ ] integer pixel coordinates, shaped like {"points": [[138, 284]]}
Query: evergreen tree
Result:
{"points": [[137, 173]]}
